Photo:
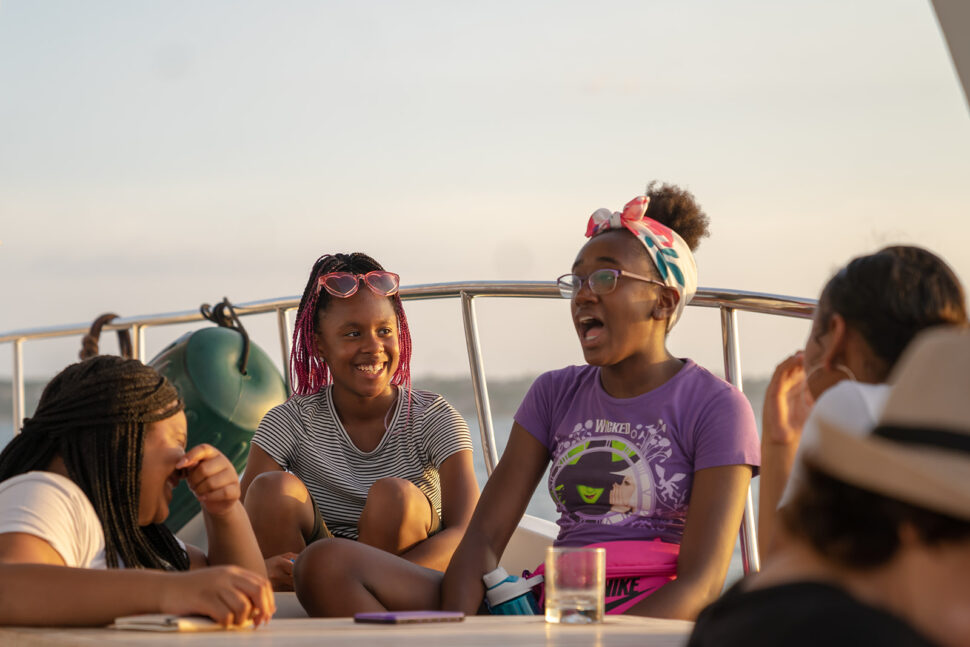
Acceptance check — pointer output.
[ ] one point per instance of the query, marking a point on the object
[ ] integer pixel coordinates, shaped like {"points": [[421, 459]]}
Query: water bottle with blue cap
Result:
{"points": [[509, 595]]}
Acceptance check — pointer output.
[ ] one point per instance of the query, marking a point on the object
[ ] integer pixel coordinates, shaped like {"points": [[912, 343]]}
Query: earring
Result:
{"points": [[845, 369], [838, 367]]}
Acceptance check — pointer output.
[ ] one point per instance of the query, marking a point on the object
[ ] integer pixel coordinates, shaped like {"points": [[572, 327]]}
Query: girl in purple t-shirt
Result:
{"points": [[644, 446]]}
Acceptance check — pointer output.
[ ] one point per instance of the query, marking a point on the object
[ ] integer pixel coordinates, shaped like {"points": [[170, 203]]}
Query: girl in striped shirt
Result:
{"points": [[357, 457]]}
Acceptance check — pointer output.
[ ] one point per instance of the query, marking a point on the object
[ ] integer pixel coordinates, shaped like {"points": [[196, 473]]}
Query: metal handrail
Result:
{"points": [[705, 297], [730, 302]]}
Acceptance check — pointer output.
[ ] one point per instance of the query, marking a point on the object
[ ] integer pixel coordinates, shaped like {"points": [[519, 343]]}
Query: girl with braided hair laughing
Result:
{"points": [[87, 484]]}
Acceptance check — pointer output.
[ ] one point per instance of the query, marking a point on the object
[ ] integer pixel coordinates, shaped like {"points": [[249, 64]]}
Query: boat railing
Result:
{"points": [[729, 302]]}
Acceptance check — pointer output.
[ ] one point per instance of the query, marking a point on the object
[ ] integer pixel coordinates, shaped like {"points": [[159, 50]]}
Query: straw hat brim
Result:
{"points": [[925, 476]]}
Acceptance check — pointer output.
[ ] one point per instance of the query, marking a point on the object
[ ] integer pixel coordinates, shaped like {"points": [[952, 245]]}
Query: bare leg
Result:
{"points": [[340, 577], [396, 516], [281, 512]]}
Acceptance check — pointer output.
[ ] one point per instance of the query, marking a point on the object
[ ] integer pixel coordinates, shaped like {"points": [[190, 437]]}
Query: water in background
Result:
{"points": [[6, 432]]}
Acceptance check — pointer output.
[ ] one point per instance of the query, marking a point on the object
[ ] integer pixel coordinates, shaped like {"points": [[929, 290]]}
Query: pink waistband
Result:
{"points": [[634, 570]]}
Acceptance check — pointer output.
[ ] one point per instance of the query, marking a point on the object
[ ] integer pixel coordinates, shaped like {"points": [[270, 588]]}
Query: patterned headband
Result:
{"points": [[666, 248]]}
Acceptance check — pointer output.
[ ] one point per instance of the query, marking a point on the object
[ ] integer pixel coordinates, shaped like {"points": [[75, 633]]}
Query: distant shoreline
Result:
{"points": [[504, 394]]}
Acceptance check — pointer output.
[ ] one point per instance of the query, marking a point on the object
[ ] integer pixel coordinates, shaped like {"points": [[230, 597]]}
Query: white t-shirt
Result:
{"points": [[851, 406], [53, 508]]}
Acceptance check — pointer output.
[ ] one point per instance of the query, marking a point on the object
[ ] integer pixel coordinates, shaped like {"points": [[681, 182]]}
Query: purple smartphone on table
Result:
{"points": [[399, 617]]}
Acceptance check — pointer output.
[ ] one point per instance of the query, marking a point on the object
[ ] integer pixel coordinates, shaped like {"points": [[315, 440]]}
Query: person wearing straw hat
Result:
{"points": [[879, 549]]}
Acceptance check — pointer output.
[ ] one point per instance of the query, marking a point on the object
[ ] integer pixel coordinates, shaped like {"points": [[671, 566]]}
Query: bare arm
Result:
{"points": [[713, 520], [37, 594], [499, 510], [459, 494], [212, 479], [787, 404], [37, 589], [257, 463]]}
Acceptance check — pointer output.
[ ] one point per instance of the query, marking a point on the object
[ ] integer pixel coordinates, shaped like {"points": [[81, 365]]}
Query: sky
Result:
{"points": [[158, 155]]}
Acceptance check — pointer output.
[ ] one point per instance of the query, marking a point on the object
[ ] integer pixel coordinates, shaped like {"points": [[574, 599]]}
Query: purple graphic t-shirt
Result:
{"points": [[622, 468]]}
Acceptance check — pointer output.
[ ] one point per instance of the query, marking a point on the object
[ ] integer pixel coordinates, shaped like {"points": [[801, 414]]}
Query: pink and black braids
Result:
{"points": [[308, 371]]}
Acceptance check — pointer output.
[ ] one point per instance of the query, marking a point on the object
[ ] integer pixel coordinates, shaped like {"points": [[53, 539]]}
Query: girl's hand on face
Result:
{"points": [[787, 402], [230, 595], [211, 477]]}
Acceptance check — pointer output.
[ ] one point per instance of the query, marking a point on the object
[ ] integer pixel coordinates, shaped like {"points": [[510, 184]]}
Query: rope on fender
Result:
{"points": [[224, 316]]}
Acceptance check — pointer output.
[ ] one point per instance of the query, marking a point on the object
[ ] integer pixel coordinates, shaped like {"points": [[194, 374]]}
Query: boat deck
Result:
{"points": [[479, 631]]}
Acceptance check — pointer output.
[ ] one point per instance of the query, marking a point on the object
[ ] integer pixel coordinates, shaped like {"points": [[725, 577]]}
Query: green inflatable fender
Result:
{"points": [[223, 405]]}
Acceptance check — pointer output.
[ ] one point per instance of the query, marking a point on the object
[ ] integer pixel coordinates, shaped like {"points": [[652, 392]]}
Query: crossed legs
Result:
{"points": [[396, 516]]}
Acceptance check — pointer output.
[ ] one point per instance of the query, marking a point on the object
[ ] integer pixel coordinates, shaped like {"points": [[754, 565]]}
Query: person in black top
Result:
{"points": [[880, 528]]}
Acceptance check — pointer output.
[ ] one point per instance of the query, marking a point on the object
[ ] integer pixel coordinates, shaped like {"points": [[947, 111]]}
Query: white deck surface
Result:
{"points": [[493, 631]]}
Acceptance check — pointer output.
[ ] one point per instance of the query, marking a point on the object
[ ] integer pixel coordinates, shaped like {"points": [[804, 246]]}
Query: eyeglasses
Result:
{"points": [[600, 282], [345, 284]]}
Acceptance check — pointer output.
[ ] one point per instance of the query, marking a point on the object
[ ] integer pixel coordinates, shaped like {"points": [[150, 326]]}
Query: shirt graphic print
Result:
{"points": [[613, 473]]}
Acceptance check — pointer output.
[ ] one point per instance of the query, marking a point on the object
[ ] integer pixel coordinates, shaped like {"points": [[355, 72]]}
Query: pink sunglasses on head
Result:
{"points": [[345, 284]]}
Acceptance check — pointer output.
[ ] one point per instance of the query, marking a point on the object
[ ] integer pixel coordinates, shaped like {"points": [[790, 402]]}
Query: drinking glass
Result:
{"points": [[575, 584]]}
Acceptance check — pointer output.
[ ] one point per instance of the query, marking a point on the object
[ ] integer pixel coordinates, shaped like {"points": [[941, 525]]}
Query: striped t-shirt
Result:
{"points": [[304, 436]]}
